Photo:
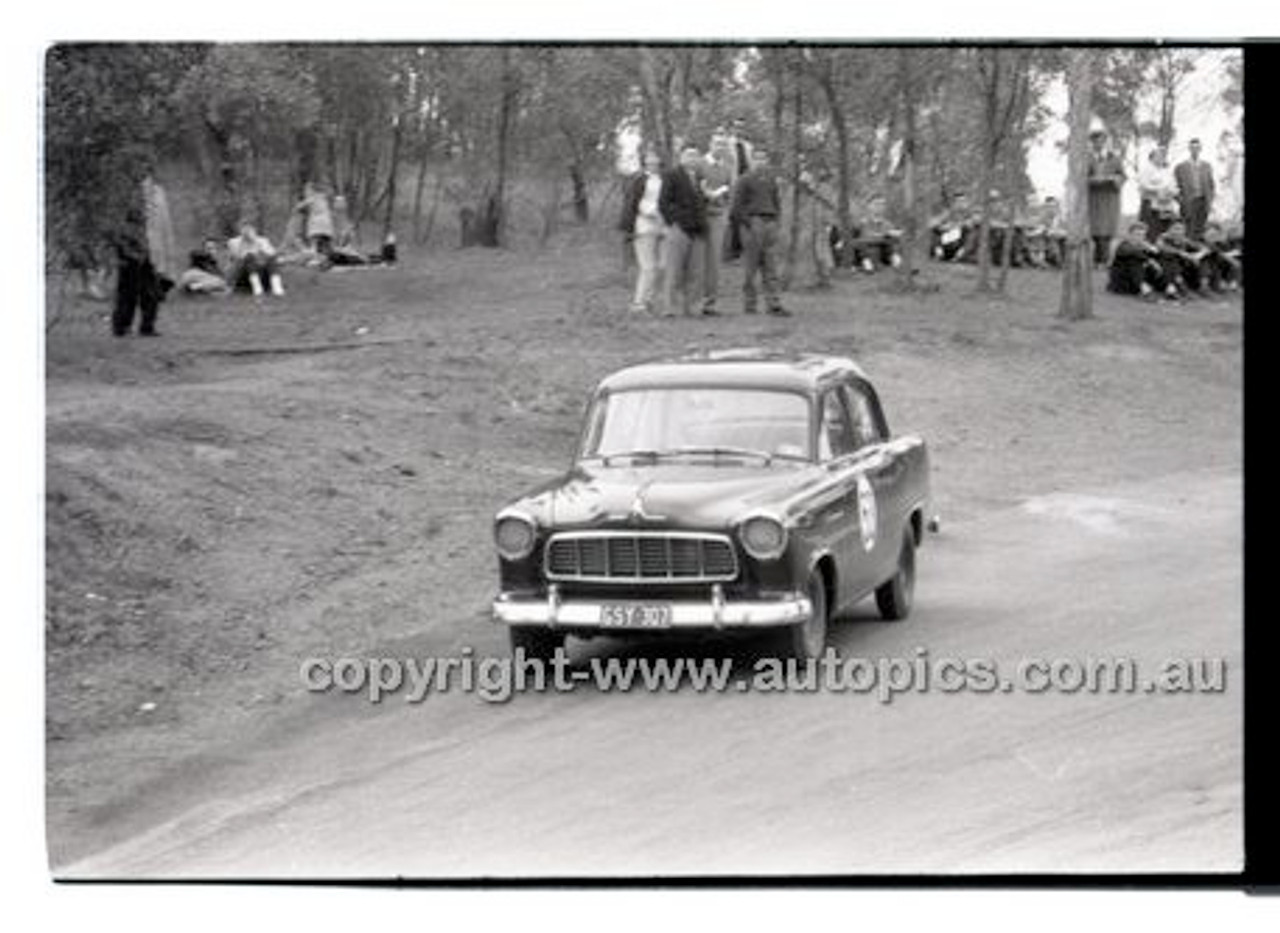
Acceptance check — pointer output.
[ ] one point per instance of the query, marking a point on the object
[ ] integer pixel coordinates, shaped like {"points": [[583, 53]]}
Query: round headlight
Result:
{"points": [[763, 537], [514, 537]]}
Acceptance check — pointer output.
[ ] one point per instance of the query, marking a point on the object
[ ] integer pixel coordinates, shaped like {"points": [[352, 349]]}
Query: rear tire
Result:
{"points": [[809, 639], [538, 643], [894, 597]]}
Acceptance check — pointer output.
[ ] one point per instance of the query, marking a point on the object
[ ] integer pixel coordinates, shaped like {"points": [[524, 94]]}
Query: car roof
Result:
{"points": [[748, 367]]}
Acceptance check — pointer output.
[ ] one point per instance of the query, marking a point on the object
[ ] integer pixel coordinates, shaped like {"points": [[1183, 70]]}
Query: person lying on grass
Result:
{"points": [[205, 274]]}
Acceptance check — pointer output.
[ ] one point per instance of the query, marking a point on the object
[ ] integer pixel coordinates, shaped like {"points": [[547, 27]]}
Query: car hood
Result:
{"points": [[665, 494]]}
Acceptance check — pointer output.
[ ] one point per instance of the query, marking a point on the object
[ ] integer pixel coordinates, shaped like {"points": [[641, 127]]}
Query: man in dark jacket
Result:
{"points": [[756, 209], [1135, 266], [684, 211]]}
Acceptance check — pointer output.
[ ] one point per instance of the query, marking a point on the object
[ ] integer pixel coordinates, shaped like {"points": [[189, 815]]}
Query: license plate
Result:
{"points": [[635, 615]]}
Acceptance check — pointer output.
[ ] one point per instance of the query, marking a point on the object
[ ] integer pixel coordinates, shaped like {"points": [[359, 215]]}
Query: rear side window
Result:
{"points": [[835, 433], [864, 410]]}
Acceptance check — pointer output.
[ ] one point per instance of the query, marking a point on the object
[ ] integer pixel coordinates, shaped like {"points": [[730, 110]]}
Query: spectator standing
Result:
{"points": [[147, 254], [1106, 177], [317, 218], [1194, 178], [684, 212], [757, 206], [1156, 190], [643, 225], [715, 177]]}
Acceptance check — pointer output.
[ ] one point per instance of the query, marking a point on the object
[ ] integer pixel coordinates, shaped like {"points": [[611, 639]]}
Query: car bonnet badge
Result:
{"points": [[638, 513]]}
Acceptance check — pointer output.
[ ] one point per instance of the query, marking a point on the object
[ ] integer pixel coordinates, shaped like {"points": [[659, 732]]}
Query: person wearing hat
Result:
{"points": [[1106, 177]]}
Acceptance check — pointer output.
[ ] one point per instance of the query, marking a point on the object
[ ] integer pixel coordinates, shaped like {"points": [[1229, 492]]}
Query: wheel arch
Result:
{"points": [[826, 565]]}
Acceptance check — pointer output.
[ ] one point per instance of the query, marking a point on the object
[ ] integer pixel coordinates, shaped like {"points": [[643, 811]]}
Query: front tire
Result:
{"points": [[537, 643], [894, 597], [809, 639]]}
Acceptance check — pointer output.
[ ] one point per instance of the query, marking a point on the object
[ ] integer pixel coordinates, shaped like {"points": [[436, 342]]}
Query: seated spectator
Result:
{"points": [[1183, 259], [1136, 268], [204, 275], [1005, 224], [345, 250], [253, 262], [879, 243], [1223, 261], [952, 231], [1048, 221]]}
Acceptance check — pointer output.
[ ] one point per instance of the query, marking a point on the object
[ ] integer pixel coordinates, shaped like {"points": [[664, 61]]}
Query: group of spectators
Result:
{"points": [[1034, 237], [682, 221], [1173, 250], [319, 234]]}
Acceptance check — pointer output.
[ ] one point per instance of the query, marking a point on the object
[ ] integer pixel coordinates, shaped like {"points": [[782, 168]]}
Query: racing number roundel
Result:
{"points": [[867, 513]]}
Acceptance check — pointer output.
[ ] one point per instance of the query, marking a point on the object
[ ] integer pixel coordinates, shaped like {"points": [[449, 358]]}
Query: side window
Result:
{"points": [[835, 437], [868, 424]]}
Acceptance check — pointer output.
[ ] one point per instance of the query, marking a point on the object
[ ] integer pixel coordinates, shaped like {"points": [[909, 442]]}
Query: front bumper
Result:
{"points": [[715, 613]]}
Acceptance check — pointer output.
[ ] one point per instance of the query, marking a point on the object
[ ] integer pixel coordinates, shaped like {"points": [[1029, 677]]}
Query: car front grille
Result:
{"points": [[640, 557]]}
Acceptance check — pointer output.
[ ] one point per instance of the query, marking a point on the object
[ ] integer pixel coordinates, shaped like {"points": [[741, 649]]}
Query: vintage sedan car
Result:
{"points": [[732, 490]]}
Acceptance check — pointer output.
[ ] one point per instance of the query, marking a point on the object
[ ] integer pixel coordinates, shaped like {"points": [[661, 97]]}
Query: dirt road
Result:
{"points": [[640, 784], [315, 476]]}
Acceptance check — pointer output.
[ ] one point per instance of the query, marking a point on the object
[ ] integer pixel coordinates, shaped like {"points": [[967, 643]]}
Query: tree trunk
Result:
{"points": [[656, 116], [1077, 265], [388, 220], [1006, 246], [581, 201], [331, 148], [435, 207], [551, 212], [989, 69], [369, 165], [306, 147], [910, 227], [419, 186], [841, 126], [349, 179], [984, 227], [797, 113], [506, 109]]}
